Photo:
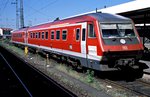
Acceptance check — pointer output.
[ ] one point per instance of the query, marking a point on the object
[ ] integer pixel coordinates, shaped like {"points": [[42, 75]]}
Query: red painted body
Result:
{"points": [[71, 44]]}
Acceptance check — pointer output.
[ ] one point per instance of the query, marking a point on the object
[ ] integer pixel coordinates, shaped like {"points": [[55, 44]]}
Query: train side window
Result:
{"points": [[36, 35], [33, 35], [52, 34], [46, 35], [42, 35], [77, 34], [83, 34], [39, 36], [91, 32], [57, 34], [64, 35], [30, 34]]}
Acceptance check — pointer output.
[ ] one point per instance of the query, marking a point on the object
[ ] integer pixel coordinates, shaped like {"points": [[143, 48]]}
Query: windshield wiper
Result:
{"points": [[113, 38], [128, 38]]}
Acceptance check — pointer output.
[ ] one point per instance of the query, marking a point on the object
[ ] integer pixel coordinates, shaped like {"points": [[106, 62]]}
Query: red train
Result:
{"points": [[100, 41]]}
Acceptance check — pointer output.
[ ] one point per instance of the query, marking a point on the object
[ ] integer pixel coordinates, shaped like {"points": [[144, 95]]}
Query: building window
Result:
{"points": [[58, 35], [52, 34], [91, 32], [64, 35], [42, 35], [77, 34], [46, 35]]}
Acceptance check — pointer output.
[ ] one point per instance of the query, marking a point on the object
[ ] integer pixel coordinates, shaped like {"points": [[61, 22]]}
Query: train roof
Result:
{"points": [[110, 18], [20, 30], [101, 17]]}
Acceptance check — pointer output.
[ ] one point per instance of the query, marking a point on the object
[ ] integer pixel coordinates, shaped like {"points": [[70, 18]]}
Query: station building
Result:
{"points": [[5, 33]]}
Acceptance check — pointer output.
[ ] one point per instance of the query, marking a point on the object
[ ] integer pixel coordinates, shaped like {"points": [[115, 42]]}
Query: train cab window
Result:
{"points": [[46, 35], [42, 35], [77, 34], [57, 34], [64, 35], [52, 34], [91, 32], [117, 30]]}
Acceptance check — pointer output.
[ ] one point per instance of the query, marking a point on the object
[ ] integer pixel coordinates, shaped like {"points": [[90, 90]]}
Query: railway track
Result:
{"points": [[34, 82], [137, 87], [10, 84], [16, 75]]}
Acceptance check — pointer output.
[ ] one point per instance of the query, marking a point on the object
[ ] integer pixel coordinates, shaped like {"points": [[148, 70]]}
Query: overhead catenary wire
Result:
{"points": [[5, 5], [39, 10]]}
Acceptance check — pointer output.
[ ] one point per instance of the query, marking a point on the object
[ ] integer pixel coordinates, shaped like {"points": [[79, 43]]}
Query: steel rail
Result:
{"points": [[130, 86], [25, 87], [45, 76]]}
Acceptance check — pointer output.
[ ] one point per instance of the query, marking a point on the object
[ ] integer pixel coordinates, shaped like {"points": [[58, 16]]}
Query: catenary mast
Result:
{"points": [[21, 14]]}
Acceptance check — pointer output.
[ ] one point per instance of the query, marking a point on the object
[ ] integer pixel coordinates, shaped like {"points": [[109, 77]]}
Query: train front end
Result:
{"points": [[121, 44]]}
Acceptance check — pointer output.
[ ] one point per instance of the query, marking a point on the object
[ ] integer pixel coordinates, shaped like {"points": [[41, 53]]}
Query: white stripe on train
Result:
{"points": [[92, 57]]}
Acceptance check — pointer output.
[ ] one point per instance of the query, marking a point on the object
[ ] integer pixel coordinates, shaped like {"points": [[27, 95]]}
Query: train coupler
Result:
{"points": [[129, 62]]}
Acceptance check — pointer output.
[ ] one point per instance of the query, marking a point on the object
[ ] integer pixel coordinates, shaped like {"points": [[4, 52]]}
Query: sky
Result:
{"points": [[42, 11]]}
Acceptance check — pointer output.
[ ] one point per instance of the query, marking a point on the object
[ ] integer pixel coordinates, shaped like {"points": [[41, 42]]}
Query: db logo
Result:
{"points": [[124, 47]]}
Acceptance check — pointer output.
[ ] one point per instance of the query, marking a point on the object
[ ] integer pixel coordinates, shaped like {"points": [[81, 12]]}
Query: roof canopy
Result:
{"points": [[138, 10], [127, 7]]}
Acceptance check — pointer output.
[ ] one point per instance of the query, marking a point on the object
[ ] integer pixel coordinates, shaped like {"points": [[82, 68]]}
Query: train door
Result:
{"points": [[25, 41], [92, 46], [26, 37], [83, 44], [83, 39]]}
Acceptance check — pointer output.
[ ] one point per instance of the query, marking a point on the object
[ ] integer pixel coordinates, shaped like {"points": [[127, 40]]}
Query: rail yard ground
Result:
{"points": [[82, 84], [19, 79]]}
